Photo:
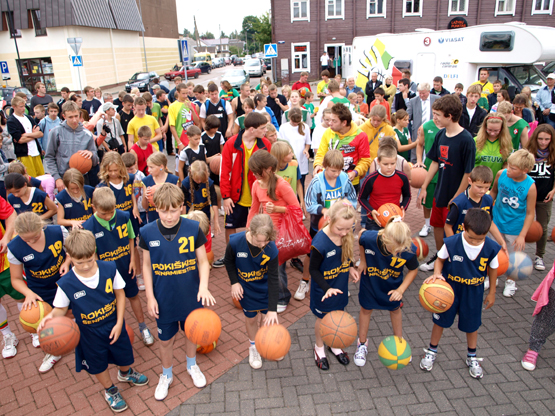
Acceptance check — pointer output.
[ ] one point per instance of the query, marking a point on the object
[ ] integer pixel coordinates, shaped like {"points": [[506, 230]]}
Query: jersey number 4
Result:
{"points": [[109, 287]]}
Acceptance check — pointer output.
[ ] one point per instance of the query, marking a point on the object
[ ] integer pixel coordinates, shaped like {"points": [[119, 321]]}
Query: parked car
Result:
{"points": [[238, 61], [218, 62], [6, 95], [204, 67], [236, 77], [141, 80], [268, 62], [227, 61], [191, 73], [254, 67], [233, 57], [548, 68]]}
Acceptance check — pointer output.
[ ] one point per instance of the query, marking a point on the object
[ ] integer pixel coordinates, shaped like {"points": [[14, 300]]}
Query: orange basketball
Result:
{"points": [[81, 163], [210, 256], [421, 248], [237, 303], [130, 333], [386, 211], [150, 193], [418, 176], [503, 260], [203, 326], [215, 165], [322, 223], [30, 318], [59, 336], [273, 342], [436, 297], [338, 329], [553, 234], [534, 233], [207, 348]]}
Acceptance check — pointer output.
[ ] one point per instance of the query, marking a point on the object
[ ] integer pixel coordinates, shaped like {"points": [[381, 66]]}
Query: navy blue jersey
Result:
{"points": [[34, 182], [334, 271], [36, 205], [124, 196], [252, 271], [152, 215], [384, 272], [78, 211], [463, 204], [200, 196], [42, 269], [175, 275]]}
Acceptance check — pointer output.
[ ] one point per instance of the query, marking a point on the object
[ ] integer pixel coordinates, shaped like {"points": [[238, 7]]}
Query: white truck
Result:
{"points": [[508, 50]]}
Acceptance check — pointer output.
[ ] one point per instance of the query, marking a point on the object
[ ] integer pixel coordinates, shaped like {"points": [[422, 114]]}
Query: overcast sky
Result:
{"points": [[213, 13]]}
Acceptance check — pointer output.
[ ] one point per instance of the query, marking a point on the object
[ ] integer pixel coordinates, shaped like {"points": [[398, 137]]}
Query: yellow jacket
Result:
{"points": [[375, 134]]}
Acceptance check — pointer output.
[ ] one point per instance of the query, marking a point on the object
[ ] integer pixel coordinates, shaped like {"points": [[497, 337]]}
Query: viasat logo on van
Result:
{"points": [[450, 40]]}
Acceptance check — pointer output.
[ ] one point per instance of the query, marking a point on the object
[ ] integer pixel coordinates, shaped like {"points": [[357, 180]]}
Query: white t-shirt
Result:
{"points": [[228, 109], [470, 112], [13, 260], [323, 106], [297, 141], [32, 149], [62, 301], [471, 252], [324, 60], [317, 135]]}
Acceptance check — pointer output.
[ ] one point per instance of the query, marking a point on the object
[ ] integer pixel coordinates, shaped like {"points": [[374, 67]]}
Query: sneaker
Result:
{"points": [[218, 263], [115, 401], [486, 283], [198, 378], [303, 289], [36, 340], [529, 360], [427, 362], [360, 355], [297, 264], [147, 337], [222, 212], [162, 388], [134, 378], [48, 362], [510, 288], [254, 358], [429, 265], [538, 264], [281, 308], [10, 344], [141, 283], [425, 231], [474, 367]]}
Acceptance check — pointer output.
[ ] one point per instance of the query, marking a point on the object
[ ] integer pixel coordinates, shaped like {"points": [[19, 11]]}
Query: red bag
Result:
{"points": [[293, 238]]}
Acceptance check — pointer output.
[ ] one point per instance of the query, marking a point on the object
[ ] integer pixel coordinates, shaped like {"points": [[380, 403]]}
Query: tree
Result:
{"points": [[223, 35], [249, 30], [188, 34], [233, 50], [207, 35], [263, 29]]}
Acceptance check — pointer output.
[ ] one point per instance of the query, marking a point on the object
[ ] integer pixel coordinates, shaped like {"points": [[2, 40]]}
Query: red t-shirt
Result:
{"points": [[5, 211], [142, 156], [298, 85]]}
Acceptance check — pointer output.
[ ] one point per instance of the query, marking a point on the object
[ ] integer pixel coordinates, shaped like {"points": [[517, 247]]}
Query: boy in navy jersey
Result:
{"points": [[470, 257], [175, 271], [94, 291], [115, 238]]}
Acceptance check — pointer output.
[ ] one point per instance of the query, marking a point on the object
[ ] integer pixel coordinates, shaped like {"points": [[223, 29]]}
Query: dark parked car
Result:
{"points": [[204, 67], [268, 62], [6, 95], [141, 80], [238, 61]]}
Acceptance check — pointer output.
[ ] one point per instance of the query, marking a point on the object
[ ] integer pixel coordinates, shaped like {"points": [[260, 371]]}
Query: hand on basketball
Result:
{"points": [[228, 206], [354, 274], [395, 295], [419, 165], [375, 215], [85, 153], [152, 307], [317, 170], [519, 243], [271, 318], [237, 291], [116, 331], [31, 299], [490, 298], [433, 278], [331, 292], [205, 297], [43, 322], [421, 198]]}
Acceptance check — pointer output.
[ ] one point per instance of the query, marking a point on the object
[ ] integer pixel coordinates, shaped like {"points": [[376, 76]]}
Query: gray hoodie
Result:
{"points": [[64, 142]]}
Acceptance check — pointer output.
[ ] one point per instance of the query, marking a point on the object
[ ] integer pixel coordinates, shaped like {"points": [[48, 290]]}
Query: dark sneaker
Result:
{"points": [[114, 399], [297, 264], [429, 265], [218, 263]]}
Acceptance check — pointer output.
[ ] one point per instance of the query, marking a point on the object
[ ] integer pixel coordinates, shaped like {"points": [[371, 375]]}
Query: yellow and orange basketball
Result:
{"points": [[338, 329], [206, 348], [30, 318], [436, 297], [273, 342], [203, 326]]}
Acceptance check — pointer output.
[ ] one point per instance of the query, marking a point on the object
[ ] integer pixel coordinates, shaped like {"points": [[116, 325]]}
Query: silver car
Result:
{"points": [[254, 67], [236, 77]]}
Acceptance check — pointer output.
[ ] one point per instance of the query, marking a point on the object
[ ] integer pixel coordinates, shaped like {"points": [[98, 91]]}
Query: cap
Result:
{"points": [[107, 106], [551, 76]]}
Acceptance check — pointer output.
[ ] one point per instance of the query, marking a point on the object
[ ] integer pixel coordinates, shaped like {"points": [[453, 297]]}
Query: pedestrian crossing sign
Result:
{"points": [[77, 60], [270, 50]]}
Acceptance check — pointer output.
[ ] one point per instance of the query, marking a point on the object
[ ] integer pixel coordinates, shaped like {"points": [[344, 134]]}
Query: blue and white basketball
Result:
{"points": [[520, 266]]}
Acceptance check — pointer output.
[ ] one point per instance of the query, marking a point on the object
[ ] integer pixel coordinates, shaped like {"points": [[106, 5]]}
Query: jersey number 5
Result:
{"points": [[483, 264]]}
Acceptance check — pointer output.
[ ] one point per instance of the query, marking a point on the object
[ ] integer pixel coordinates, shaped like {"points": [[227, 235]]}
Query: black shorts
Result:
{"points": [[238, 218]]}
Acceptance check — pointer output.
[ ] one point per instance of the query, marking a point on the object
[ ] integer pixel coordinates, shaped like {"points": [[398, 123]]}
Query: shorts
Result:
{"points": [[509, 239], [467, 304], [429, 201], [252, 314], [320, 314], [131, 288], [33, 164], [167, 331], [369, 301], [238, 218], [6, 286], [439, 216]]}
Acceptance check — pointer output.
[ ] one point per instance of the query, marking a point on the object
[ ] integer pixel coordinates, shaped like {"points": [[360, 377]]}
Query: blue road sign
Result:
{"points": [[270, 50], [77, 60], [185, 50], [4, 67]]}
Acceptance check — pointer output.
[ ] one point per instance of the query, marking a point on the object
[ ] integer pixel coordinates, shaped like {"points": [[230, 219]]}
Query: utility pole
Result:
{"points": [[196, 32]]}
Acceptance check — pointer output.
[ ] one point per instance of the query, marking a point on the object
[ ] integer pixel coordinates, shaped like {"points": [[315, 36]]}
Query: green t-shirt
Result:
{"points": [[403, 137], [289, 173], [156, 112], [304, 112], [483, 103], [516, 130], [109, 225], [489, 156], [430, 131], [241, 122], [310, 108], [228, 96]]}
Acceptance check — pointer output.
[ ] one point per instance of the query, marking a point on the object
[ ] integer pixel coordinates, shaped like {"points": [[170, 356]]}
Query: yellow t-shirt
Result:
{"points": [[246, 197], [136, 123]]}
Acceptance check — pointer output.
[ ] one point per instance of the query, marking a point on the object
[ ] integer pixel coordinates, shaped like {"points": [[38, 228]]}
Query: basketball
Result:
{"points": [[535, 232], [418, 176], [237, 303], [273, 342], [386, 211], [210, 256], [421, 248], [30, 318], [338, 329], [520, 266], [322, 223], [215, 165], [394, 352], [207, 348], [150, 193], [553, 234], [59, 336], [130, 333], [81, 163], [203, 327], [503, 260], [436, 297], [303, 91]]}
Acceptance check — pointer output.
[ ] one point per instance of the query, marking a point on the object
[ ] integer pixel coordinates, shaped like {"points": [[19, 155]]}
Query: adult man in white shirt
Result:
{"points": [[420, 111]]}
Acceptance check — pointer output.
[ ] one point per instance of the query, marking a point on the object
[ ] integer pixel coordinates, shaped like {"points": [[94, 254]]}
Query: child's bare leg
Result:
{"points": [[397, 322], [252, 327], [218, 195], [306, 265], [319, 341], [166, 352], [427, 212], [138, 260], [363, 324], [190, 348], [472, 339], [137, 308], [105, 379], [437, 332], [438, 237]]}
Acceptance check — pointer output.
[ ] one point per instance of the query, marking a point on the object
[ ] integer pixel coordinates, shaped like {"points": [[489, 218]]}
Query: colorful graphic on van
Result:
{"points": [[377, 59]]}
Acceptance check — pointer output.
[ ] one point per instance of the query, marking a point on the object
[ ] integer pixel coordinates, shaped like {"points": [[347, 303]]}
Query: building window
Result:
{"points": [[375, 8], [8, 19], [300, 57], [412, 8], [542, 7], [39, 31], [300, 10], [458, 7], [335, 9], [38, 70], [505, 7]]}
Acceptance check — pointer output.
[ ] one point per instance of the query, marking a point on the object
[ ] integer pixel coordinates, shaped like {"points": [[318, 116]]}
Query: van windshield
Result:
{"points": [[526, 74]]}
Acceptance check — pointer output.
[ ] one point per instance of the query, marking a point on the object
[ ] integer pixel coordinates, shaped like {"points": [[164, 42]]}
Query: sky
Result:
{"points": [[213, 13]]}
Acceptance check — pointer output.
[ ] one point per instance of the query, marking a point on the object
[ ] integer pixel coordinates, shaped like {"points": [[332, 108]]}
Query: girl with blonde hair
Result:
{"points": [[159, 174], [518, 127], [75, 201], [493, 143]]}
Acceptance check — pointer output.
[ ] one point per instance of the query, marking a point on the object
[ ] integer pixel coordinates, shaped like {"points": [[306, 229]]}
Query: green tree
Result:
{"points": [[207, 35], [263, 29], [233, 50], [188, 34], [223, 35], [249, 23]]}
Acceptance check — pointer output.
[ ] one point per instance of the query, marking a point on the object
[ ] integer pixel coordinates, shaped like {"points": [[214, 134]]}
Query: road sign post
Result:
{"points": [[270, 51], [5, 70], [185, 56], [75, 44], [77, 61]]}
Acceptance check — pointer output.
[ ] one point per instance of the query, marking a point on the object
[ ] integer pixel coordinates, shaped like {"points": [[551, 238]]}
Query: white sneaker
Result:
{"points": [[148, 339], [429, 265], [510, 288], [163, 386], [360, 355], [303, 289], [538, 264], [254, 358], [427, 362], [486, 283], [198, 378], [36, 340], [425, 231], [141, 283], [48, 362], [222, 212], [281, 308], [474, 367], [10, 344]]}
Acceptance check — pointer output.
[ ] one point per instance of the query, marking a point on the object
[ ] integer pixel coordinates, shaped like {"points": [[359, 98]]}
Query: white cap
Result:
{"points": [[551, 76], [107, 106]]}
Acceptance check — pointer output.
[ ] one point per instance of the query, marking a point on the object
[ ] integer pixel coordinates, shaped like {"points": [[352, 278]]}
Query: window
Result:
{"points": [[39, 31], [300, 10], [375, 8], [505, 7], [497, 41], [335, 9], [8, 19], [300, 57], [458, 7], [542, 7], [412, 8]]}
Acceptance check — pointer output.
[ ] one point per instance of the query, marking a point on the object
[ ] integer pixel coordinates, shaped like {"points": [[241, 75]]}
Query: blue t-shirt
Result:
{"points": [[459, 207], [333, 193], [509, 210]]}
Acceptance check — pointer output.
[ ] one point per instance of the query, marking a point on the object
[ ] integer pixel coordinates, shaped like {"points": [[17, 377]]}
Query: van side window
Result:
{"points": [[497, 41]]}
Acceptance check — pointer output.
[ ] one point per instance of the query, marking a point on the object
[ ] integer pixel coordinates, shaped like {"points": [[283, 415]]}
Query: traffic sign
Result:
{"points": [[270, 50], [75, 44], [77, 60], [185, 50], [5, 70]]}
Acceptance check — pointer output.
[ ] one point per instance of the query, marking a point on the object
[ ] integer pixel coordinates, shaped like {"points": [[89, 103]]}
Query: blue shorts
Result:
{"points": [[369, 300], [252, 314], [94, 352], [131, 288], [238, 218], [467, 304], [167, 331], [320, 314]]}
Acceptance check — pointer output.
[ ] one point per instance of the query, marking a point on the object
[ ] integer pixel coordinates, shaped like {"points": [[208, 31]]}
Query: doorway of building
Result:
{"points": [[335, 52]]}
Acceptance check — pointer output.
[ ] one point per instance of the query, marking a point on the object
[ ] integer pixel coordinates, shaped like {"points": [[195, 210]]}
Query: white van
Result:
{"points": [[508, 50]]}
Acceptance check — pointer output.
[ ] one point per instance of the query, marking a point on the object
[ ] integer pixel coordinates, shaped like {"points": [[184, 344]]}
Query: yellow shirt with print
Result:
{"points": [[246, 197], [136, 123]]}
